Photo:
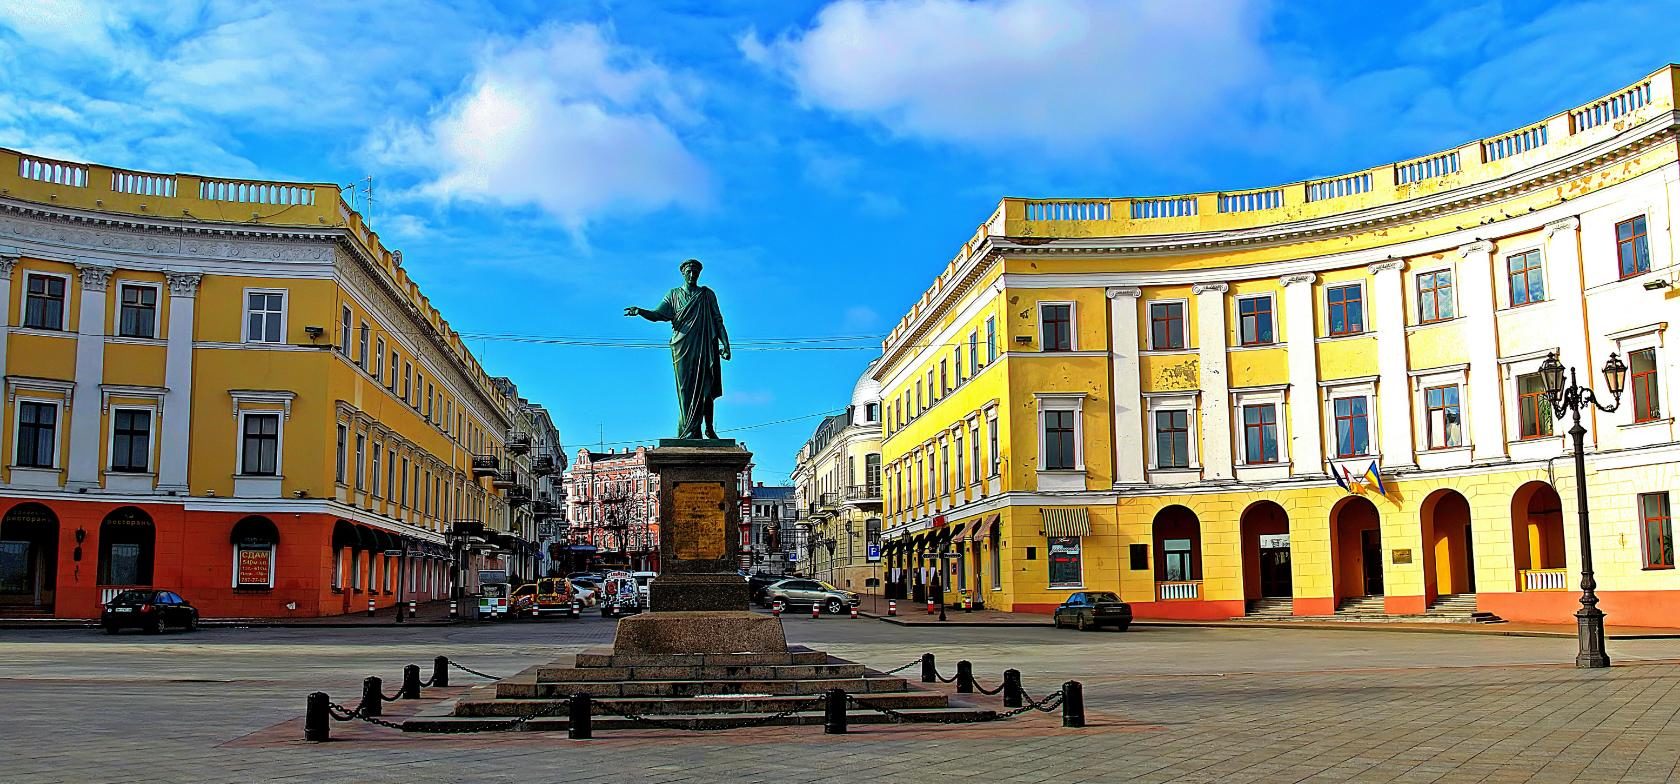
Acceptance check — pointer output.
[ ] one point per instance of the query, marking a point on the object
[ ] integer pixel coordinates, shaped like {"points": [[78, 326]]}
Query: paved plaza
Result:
{"points": [[1164, 704]]}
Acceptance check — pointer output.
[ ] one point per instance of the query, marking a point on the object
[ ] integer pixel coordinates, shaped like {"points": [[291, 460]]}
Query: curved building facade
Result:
{"points": [[1316, 398], [232, 389]]}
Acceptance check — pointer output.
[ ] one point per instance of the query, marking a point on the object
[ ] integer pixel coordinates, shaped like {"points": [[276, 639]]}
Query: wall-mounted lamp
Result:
{"points": [[313, 332], [1655, 285]]}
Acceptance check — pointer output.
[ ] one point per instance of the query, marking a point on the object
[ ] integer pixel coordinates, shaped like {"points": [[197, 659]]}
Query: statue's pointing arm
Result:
{"points": [[661, 313]]}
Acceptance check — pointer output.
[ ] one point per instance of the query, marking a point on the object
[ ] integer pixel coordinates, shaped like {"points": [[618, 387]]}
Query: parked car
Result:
{"points": [[493, 601], [759, 584], [621, 596], [804, 593], [522, 603], [642, 580], [149, 609], [587, 593], [1092, 609], [554, 597]]}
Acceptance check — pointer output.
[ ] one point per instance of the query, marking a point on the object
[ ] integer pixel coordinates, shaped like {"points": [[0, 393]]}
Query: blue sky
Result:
{"points": [[544, 164]]}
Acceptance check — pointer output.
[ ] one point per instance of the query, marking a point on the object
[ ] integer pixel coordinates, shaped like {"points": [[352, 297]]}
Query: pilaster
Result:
{"points": [[1306, 440], [176, 426], [1127, 386], [1394, 391], [85, 402], [1482, 412], [1215, 429], [7, 262]]}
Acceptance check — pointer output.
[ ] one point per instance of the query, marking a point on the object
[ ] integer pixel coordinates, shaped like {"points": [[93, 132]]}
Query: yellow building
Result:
{"points": [[233, 389], [1191, 400], [837, 480]]}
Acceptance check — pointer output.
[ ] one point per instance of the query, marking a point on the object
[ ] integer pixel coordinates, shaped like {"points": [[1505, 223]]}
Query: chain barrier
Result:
{"points": [[471, 671], [393, 697], [759, 721], [897, 670], [986, 691], [1046, 705]]}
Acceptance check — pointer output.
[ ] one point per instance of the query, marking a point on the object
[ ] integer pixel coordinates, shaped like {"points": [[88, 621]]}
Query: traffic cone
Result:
{"points": [[930, 606], [776, 609], [814, 611], [854, 613], [892, 608]]}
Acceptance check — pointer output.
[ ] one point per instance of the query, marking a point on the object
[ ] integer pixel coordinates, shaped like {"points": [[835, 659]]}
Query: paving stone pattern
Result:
{"points": [[1165, 705]]}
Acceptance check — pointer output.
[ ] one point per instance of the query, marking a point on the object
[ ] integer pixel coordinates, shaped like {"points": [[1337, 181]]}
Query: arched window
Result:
{"points": [[255, 540], [127, 542]]}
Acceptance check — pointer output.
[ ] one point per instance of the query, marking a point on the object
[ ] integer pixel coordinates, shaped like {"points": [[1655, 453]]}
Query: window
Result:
{"points": [[138, 317], [1528, 285], [1260, 444], [37, 435], [260, 448], [338, 464], [1642, 366], [871, 412], [1534, 407], [991, 339], [344, 317], [1435, 296], [1656, 531], [131, 439], [973, 353], [931, 395], [1178, 563], [361, 461], [1058, 440], [992, 439], [1442, 423], [1166, 325], [408, 371], [1172, 439], [402, 497], [392, 383], [1064, 562], [1055, 327], [957, 478], [1254, 321], [419, 384], [944, 380], [1347, 309], [44, 302], [391, 475], [265, 316], [974, 449], [431, 396], [1633, 253], [378, 370], [374, 476], [362, 346], [1353, 426]]}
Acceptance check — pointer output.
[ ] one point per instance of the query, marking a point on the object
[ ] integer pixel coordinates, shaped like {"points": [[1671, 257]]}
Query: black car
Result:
{"points": [[148, 609], [758, 583], [1090, 609]]}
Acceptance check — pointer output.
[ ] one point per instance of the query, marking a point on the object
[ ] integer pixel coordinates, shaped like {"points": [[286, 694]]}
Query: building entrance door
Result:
{"points": [[1275, 577], [1370, 541]]}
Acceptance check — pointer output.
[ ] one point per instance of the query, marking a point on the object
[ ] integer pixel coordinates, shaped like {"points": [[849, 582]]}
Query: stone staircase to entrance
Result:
{"points": [[1271, 609], [1460, 607], [1362, 607]]}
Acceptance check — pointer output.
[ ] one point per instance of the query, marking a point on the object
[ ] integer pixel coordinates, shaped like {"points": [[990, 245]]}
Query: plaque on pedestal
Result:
{"points": [[700, 516]]}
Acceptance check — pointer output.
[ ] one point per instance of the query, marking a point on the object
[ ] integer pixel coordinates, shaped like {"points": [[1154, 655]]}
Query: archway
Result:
{"points": [[127, 549], [1356, 549], [1265, 552], [1537, 538], [28, 558], [1178, 553], [1449, 564]]}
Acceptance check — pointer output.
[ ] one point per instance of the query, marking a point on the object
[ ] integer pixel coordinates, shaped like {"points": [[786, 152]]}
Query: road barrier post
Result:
{"points": [[965, 677], [930, 674], [1073, 704], [411, 682], [834, 713], [373, 695], [370, 608], [440, 671], [316, 722], [1012, 688], [577, 723]]}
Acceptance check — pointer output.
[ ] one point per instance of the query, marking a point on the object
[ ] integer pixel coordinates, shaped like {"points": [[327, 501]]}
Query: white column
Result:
{"points": [[7, 261], [1563, 274], [85, 405], [1306, 442], [1215, 381], [1127, 389], [175, 429], [1394, 389], [1482, 410]]}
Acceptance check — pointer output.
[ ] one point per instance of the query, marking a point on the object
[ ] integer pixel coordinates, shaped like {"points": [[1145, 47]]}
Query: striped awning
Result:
{"points": [[1066, 521], [982, 527], [956, 531]]}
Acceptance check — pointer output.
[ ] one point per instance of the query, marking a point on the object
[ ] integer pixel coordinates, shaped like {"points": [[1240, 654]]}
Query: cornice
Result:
{"points": [[98, 233]]}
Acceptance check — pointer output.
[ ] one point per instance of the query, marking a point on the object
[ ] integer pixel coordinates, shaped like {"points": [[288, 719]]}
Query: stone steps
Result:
{"points": [[431, 720], [690, 706], [563, 674], [795, 655], [1271, 608], [697, 688]]}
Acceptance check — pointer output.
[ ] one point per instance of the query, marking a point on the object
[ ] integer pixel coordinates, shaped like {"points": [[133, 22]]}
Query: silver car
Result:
{"points": [[800, 592]]}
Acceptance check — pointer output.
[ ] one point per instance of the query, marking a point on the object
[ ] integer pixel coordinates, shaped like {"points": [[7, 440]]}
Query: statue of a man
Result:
{"points": [[698, 344]]}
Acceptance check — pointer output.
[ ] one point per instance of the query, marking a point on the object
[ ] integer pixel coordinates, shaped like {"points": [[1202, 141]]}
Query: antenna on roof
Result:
{"points": [[365, 188]]}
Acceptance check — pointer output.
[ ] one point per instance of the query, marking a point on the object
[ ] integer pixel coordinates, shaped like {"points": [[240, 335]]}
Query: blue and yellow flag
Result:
{"points": [[1373, 478]]}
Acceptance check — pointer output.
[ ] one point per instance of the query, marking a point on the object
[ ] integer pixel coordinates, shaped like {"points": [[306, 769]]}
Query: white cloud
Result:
{"points": [[1059, 73], [564, 120]]}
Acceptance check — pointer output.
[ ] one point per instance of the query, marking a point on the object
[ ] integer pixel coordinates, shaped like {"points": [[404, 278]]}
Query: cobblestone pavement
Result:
{"points": [[1164, 703]]}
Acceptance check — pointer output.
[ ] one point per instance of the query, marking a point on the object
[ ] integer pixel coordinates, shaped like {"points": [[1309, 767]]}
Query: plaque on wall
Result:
{"points": [[1402, 556], [698, 525]]}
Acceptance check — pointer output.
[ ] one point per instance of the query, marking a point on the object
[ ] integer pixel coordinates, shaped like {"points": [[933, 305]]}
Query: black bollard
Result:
{"points": [[440, 671], [965, 677], [1073, 704], [411, 682], [577, 724], [1011, 688], [316, 721], [834, 713], [930, 674], [372, 696]]}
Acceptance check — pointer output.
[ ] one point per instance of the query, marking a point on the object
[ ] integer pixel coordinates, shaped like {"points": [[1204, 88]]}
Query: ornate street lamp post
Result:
{"points": [[1574, 398]]}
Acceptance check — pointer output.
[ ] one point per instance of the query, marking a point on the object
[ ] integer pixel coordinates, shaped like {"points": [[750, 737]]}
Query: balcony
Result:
{"points": [[1544, 579], [485, 465], [518, 443], [518, 496], [1178, 590], [506, 479], [543, 465], [864, 494]]}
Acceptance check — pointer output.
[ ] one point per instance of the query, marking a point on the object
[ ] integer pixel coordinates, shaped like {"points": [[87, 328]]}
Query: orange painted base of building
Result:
{"points": [[194, 554], [1621, 608], [1307, 605]]}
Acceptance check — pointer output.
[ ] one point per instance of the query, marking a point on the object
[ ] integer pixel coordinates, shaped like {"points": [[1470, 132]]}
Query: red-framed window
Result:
{"points": [[1441, 417], [1353, 426], [1528, 284], [1166, 325], [1435, 296], [1057, 322], [1656, 531], [1642, 372], [1534, 408], [1254, 321], [1347, 309], [1260, 442], [1633, 250]]}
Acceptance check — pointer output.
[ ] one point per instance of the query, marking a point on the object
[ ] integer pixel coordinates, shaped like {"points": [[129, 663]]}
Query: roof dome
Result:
{"points": [[866, 392]]}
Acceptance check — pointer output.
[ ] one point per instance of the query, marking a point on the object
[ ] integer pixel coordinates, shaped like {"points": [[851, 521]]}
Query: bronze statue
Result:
{"points": [[698, 343]]}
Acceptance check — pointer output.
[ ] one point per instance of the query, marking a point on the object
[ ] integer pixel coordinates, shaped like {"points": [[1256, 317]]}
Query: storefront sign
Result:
{"points": [[1274, 541], [255, 564]]}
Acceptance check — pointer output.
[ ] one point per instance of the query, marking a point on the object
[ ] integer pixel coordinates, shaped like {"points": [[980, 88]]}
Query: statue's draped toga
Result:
{"points": [[698, 344]]}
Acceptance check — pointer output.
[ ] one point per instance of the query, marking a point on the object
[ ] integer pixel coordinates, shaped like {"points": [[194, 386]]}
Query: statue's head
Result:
{"points": [[690, 271]]}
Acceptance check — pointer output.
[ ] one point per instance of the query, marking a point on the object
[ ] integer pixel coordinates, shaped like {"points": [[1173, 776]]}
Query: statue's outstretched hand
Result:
{"points": [[632, 311], [725, 353]]}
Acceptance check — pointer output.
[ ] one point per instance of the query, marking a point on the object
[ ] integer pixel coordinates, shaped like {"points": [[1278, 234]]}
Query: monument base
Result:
{"points": [[699, 633], [697, 592], [698, 443]]}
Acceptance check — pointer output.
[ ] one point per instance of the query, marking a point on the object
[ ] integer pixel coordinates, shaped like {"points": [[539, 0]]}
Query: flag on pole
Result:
{"points": [[1373, 477], [1338, 472]]}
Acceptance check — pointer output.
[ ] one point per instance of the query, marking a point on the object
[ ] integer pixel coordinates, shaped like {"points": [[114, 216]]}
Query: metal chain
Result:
{"points": [[943, 679], [984, 690], [393, 697], [735, 725], [470, 670], [896, 670]]}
